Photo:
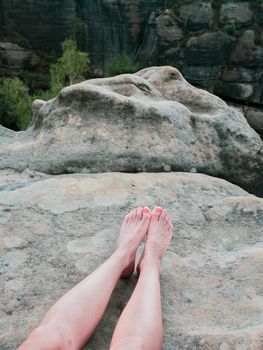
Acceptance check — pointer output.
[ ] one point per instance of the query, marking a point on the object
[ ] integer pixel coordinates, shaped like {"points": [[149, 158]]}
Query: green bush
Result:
{"points": [[15, 104], [45, 95], [121, 65]]}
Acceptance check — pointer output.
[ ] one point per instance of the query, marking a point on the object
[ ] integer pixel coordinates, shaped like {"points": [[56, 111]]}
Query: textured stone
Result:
{"points": [[236, 12], [211, 47], [42, 25], [14, 58], [247, 53], [196, 15], [168, 30], [148, 121], [255, 118], [243, 79], [211, 276]]}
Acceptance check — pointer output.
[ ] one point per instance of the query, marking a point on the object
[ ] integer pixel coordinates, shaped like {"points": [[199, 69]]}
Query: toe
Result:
{"points": [[139, 213], [167, 218], [134, 214], [156, 213], [163, 215], [146, 213], [126, 219], [129, 216]]}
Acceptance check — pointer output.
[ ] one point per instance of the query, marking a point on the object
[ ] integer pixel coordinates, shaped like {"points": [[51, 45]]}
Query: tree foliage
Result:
{"points": [[70, 68], [15, 104], [77, 29]]}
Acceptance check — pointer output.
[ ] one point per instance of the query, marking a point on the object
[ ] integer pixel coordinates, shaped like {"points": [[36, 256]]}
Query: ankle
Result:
{"points": [[151, 261], [124, 256]]}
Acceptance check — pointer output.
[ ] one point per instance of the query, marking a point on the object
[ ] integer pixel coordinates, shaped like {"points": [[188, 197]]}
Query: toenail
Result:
{"points": [[158, 210], [146, 210]]}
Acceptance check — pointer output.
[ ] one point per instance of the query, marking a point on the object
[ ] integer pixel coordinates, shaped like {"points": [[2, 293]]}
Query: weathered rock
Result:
{"points": [[168, 30], [123, 25], [14, 58], [247, 52], [215, 45], [147, 121], [243, 79], [196, 15], [56, 230], [255, 118], [236, 12]]}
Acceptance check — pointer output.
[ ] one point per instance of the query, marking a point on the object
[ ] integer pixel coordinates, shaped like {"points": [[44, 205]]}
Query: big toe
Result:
{"points": [[146, 214], [139, 212], [156, 213]]}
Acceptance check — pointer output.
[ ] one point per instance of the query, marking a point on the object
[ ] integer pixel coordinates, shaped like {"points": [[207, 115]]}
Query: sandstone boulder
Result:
{"points": [[56, 230], [150, 121]]}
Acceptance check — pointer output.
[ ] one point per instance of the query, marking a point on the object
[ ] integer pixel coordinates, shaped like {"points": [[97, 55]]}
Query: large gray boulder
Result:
{"points": [[54, 230], [150, 121]]}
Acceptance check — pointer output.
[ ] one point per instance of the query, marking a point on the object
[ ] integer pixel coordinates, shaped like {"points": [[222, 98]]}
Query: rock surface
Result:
{"points": [[255, 118], [14, 59], [54, 230], [150, 121]]}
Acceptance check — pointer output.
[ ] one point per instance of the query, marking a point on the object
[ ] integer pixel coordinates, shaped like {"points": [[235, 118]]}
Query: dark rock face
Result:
{"points": [[151, 121], [115, 26], [14, 58], [220, 48], [41, 25]]}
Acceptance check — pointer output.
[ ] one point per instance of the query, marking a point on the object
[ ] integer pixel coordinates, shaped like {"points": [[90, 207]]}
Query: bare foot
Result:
{"points": [[158, 238], [133, 230]]}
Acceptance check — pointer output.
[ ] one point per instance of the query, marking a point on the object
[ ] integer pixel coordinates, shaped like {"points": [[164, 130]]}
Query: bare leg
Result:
{"points": [[140, 325], [72, 320]]}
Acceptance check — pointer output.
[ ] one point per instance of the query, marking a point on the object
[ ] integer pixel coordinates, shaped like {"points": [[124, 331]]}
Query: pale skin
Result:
{"points": [[71, 321]]}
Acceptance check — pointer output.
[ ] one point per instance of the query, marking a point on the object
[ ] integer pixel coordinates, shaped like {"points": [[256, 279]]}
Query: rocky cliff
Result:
{"points": [[217, 44]]}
